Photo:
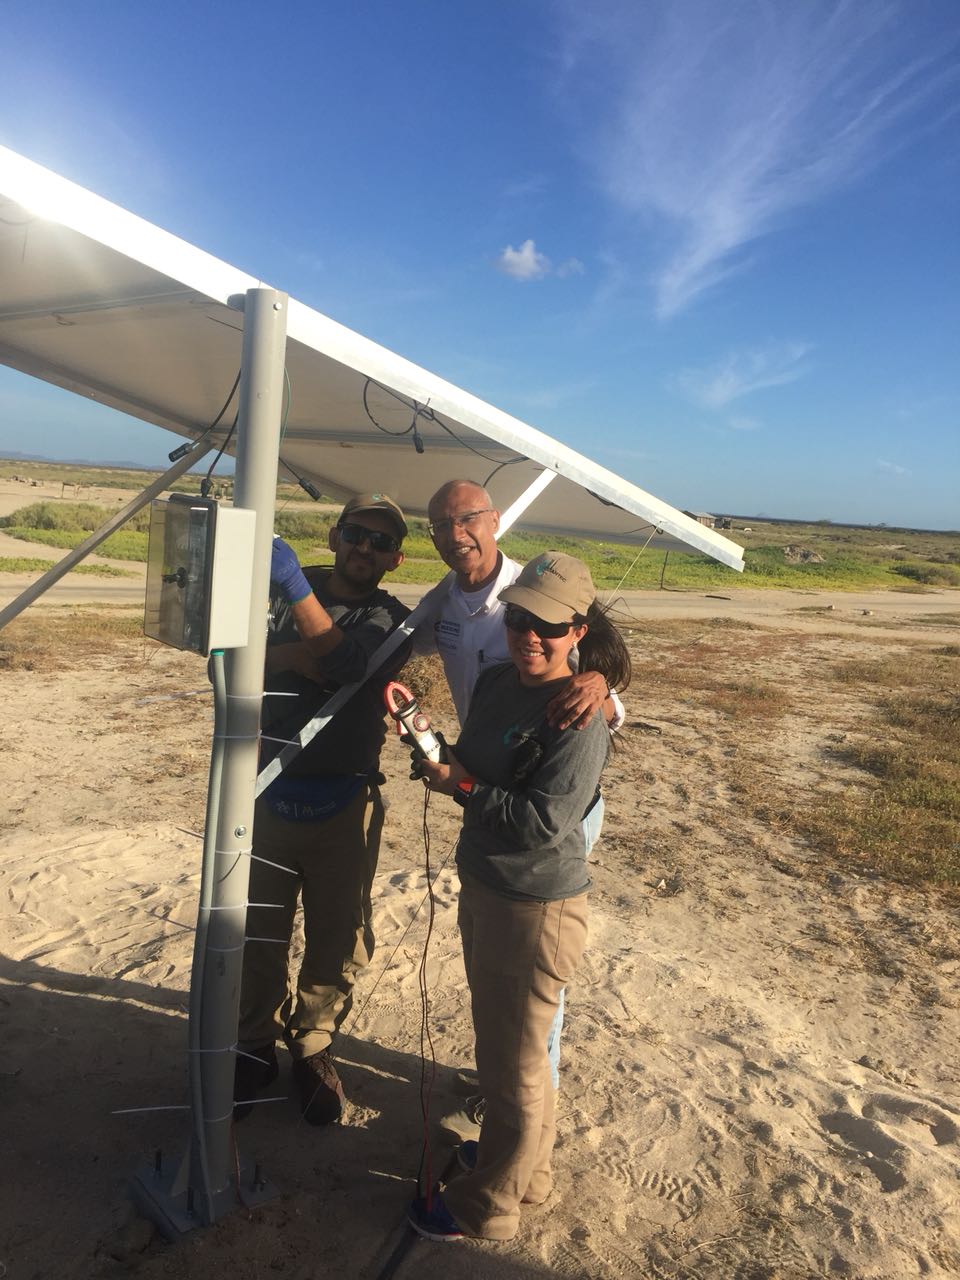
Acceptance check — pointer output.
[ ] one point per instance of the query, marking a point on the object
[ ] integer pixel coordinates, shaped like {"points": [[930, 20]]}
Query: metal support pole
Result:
{"points": [[258, 443], [42, 584], [529, 495]]}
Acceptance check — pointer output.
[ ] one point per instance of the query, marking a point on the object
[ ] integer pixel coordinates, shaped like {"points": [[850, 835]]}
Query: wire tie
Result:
{"points": [[255, 857], [242, 1053], [233, 853], [249, 1102], [129, 1111], [226, 1050], [285, 941], [225, 951], [236, 737]]}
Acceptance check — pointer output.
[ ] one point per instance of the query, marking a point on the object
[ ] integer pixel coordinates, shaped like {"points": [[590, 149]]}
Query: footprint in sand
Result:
{"points": [[891, 1108], [882, 1154]]}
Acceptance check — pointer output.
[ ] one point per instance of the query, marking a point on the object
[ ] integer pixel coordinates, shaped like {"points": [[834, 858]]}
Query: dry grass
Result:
{"points": [[424, 677], [67, 640], [904, 820], [749, 699], [882, 731], [937, 619]]}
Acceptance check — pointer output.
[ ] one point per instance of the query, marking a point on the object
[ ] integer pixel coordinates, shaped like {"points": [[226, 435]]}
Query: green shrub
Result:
{"points": [[939, 575], [83, 516], [122, 545]]}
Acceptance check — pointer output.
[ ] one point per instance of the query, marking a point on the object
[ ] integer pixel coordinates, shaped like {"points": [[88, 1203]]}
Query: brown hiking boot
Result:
{"points": [[321, 1093]]}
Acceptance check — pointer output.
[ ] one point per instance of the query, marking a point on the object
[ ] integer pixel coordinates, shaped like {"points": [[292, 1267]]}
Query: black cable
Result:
{"points": [[427, 1079], [386, 430], [182, 450], [508, 463], [479, 452], [205, 482], [302, 481], [424, 411]]}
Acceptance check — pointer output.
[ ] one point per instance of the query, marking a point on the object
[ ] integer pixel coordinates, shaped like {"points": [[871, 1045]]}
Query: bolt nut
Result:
{"points": [[239, 831]]}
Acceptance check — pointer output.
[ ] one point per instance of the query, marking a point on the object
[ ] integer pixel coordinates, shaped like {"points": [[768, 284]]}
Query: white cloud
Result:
{"points": [[892, 468], [572, 267], [528, 263], [524, 263], [717, 122], [740, 374]]}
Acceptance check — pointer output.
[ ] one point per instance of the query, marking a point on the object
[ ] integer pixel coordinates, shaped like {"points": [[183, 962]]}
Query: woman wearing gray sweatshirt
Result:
{"points": [[525, 788]]}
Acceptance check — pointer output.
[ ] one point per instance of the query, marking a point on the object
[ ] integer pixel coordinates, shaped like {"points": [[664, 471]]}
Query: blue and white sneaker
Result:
{"points": [[435, 1223], [467, 1153]]}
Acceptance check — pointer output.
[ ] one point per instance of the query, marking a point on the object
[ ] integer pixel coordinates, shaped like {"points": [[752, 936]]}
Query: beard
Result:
{"points": [[361, 571]]}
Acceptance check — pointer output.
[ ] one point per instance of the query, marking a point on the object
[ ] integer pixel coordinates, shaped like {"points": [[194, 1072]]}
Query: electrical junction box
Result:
{"points": [[199, 570]]}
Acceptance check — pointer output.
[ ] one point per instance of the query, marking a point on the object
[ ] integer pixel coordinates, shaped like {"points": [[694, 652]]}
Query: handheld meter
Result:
{"points": [[405, 709]]}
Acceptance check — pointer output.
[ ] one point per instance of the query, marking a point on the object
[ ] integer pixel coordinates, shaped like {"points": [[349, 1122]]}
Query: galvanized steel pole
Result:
{"points": [[258, 442]]}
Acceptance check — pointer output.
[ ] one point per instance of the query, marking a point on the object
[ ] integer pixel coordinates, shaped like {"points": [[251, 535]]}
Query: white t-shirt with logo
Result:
{"points": [[467, 629]]}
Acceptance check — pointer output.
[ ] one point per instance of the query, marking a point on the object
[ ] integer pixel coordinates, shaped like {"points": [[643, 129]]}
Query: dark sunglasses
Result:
{"points": [[355, 534], [519, 620]]}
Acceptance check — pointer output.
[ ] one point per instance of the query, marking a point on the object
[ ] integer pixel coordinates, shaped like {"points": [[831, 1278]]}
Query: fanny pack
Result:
{"points": [[312, 799]]}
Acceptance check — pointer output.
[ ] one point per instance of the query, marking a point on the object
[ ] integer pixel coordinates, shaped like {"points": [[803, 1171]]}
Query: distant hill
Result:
{"points": [[13, 455]]}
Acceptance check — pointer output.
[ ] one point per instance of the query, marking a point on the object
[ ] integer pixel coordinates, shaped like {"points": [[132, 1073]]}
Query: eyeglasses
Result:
{"points": [[522, 621], [438, 528], [355, 534]]}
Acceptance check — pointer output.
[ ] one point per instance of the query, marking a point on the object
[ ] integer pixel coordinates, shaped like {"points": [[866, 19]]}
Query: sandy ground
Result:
{"points": [[760, 1079]]}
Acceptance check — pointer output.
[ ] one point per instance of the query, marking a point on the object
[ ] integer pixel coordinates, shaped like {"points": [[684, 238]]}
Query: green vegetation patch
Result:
{"points": [[123, 545], [69, 516], [849, 559], [930, 575], [26, 564]]}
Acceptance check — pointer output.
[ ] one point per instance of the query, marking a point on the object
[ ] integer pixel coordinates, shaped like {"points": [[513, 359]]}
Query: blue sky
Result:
{"points": [[714, 246]]}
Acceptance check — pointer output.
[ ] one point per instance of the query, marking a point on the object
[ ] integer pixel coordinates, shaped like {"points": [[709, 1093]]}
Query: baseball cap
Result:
{"points": [[375, 502], [552, 586]]}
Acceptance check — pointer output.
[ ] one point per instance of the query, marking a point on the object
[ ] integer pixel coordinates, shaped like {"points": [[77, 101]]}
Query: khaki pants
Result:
{"points": [[334, 862], [518, 955]]}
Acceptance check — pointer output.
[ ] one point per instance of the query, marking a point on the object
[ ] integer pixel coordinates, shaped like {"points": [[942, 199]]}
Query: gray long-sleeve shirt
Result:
{"points": [[523, 836]]}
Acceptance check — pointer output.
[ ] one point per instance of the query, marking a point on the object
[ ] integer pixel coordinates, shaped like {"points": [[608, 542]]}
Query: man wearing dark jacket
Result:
{"points": [[317, 826]]}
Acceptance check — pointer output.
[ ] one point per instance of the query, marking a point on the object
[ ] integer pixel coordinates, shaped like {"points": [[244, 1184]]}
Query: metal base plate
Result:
{"points": [[176, 1209]]}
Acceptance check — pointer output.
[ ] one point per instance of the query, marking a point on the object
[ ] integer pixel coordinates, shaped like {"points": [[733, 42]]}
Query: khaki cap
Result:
{"points": [[552, 587], [375, 502]]}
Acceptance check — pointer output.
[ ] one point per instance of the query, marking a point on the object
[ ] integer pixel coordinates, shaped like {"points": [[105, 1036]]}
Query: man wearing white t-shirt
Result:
{"points": [[464, 618], [464, 624]]}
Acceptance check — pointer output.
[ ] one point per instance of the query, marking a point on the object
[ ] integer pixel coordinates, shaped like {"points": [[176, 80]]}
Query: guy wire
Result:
{"points": [[653, 532]]}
